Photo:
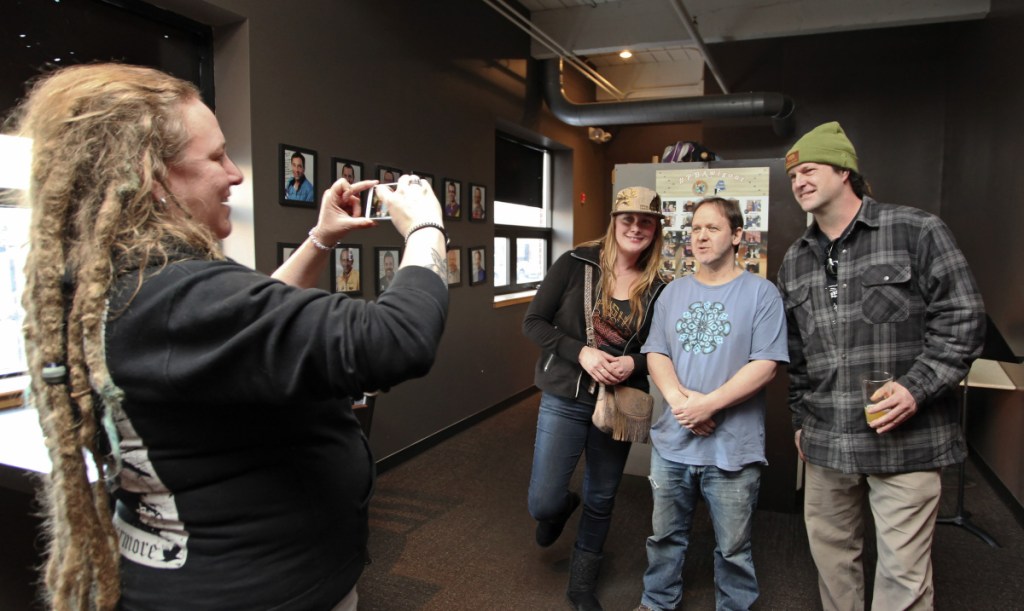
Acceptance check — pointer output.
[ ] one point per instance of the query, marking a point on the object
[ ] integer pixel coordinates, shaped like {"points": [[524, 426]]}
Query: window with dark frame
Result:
{"points": [[522, 229]]}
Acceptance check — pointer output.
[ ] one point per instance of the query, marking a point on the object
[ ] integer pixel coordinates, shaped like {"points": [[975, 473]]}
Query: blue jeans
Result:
{"points": [[731, 497], [564, 431]]}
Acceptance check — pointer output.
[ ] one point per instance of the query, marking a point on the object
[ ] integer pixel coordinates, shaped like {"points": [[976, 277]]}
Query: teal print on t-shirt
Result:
{"points": [[703, 327]]}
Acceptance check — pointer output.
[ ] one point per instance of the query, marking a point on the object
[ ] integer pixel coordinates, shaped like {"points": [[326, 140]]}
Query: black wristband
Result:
{"points": [[436, 226]]}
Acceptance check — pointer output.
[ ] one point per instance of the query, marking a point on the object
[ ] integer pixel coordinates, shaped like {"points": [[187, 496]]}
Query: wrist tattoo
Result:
{"points": [[439, 265]]}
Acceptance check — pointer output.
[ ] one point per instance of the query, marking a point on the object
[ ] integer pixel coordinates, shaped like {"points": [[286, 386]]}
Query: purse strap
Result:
{"points": [[588, 315], [588, 304]]}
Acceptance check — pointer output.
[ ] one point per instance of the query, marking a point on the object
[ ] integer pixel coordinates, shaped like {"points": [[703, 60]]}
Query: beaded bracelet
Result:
{"points": [[316, 242], [436, 226]]}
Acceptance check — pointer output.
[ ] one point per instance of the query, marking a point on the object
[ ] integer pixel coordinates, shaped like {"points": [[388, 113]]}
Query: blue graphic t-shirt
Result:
{"points": [[710, 333]]}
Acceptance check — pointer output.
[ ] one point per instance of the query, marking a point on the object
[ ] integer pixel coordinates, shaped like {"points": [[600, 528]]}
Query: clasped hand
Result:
{"points": [[695, 413], [605, 368]]}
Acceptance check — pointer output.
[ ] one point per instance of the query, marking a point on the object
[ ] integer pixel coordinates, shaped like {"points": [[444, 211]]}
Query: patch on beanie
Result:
{"points": [[792, 158]]}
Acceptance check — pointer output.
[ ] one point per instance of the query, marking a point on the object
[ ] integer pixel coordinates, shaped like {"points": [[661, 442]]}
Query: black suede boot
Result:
{"points": [[583, 580], [548, 532]]}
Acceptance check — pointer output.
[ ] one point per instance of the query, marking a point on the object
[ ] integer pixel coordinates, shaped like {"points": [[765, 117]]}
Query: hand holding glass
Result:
{"points": [[876, 386]]}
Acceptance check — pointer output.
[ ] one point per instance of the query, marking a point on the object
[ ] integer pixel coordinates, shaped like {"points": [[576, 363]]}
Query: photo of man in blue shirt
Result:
{"points": [[298, 188]]}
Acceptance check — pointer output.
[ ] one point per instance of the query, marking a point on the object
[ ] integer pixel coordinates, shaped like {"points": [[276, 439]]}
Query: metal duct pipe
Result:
{"points": [[671, 110]]}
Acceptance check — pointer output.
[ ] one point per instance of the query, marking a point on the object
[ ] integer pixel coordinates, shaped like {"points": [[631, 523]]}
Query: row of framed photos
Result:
{"points": [[297, 183], [347, 266]]}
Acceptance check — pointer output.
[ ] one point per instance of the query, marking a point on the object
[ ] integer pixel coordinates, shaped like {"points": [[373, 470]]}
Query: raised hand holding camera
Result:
{"points": [[407, 203], [341, 211], [416, 215]]}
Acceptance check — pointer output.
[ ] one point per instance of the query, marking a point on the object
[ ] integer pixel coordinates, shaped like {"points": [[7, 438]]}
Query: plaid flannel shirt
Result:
{"points": [[907, 304]]}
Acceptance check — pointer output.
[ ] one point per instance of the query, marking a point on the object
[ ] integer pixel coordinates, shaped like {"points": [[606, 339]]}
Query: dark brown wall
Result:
{"points": [[983, 181], [886, 87], [416, 86], [983, 200]]}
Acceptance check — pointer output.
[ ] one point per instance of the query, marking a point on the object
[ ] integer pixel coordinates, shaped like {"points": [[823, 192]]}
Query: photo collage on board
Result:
{"points": [[681, 190]]}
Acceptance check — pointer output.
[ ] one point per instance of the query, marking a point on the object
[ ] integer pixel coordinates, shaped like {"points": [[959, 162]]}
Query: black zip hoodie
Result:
{"points": [[555, 322]]}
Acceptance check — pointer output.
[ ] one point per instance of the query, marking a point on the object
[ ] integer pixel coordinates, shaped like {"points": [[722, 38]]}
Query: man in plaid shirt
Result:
{"points": [[873, 286]]}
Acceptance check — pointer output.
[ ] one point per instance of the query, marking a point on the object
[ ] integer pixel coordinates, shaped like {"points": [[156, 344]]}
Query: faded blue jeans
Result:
{"points": [[731, 497], [564, 431]]}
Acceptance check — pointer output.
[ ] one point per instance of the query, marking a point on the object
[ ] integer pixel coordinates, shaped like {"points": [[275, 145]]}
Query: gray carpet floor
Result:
{"points": [[450, 531]]}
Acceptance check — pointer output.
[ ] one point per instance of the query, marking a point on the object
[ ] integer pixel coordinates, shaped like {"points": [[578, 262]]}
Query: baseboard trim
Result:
{"points": [[998, 487], [393, 460]]}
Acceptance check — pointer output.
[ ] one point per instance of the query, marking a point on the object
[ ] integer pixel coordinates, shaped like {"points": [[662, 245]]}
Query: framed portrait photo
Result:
{"points": [[297, 184], [451, 199], [386, 259], [350, 170], [477, 203], [454, 266], [285, 250], [387, 174], [477, 265], [426, 177], [346, 269]]}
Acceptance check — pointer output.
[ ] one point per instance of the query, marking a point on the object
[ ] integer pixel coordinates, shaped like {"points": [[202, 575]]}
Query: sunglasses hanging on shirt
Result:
{"points": [[831, 263]]}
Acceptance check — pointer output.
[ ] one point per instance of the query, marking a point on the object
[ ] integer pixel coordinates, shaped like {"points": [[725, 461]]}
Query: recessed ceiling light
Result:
{"points": [[626, 54]]}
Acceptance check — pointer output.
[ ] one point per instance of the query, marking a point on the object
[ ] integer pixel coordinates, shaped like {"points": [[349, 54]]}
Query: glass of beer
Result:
{"points": [[876, 385]]}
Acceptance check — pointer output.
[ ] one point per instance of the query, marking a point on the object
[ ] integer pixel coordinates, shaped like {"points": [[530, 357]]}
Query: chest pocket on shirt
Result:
{"points": [[798, 306], [886, 293]]}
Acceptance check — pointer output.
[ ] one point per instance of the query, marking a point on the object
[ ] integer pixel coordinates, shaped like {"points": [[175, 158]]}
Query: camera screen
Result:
{"points": [[375, 208]]}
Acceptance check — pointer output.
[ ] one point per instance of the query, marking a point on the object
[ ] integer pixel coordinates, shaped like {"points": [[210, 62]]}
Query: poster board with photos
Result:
{"points": [[682, 189]]}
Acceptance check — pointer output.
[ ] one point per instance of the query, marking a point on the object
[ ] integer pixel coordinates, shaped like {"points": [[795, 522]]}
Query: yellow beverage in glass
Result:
{"points": [[876, 415], [876, 386]]}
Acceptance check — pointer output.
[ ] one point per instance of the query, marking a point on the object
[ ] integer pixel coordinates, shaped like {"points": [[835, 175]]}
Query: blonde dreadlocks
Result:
{"points": [[103, 138]]}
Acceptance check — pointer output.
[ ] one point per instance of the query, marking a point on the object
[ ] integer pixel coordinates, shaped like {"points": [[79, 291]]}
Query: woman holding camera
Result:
{"points": [[213, 400]]}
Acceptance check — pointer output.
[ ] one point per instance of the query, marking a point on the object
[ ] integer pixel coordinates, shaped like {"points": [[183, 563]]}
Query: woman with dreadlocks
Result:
{"points": [[212, 400]]}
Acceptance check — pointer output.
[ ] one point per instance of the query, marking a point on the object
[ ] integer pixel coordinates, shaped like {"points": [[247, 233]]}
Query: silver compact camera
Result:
{"points": [[376, 208]]}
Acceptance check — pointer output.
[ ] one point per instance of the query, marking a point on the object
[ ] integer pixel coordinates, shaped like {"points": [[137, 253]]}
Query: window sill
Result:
{"points": [[11, 391], [511, 299]]}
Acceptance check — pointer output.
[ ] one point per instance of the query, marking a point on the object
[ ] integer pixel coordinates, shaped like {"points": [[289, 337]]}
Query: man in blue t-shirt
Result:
{"points": [[715, 342]]}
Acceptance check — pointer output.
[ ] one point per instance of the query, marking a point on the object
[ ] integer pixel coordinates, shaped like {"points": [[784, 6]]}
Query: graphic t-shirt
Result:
{"points": [[612, 328], [710, 333]]}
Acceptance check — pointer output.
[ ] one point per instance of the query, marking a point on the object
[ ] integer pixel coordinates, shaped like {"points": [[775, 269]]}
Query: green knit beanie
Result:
{"points": [[826, 143]]}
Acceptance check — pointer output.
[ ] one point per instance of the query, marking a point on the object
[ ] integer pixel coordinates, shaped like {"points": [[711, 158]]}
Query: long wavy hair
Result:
{"points": [[648, 264], [103, 137]]}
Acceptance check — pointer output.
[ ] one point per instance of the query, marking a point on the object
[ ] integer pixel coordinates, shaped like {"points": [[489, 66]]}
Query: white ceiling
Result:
{"points": [[667, 62]]}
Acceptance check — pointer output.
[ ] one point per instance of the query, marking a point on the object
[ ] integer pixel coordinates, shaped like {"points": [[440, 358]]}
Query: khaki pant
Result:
{"points": [[904, 506]]}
